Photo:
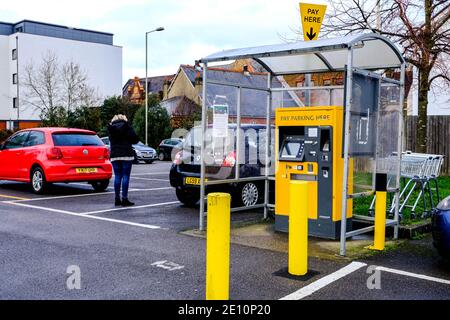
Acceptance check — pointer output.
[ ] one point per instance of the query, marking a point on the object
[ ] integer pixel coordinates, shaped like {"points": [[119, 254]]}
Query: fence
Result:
{"points": [[438, 133]]}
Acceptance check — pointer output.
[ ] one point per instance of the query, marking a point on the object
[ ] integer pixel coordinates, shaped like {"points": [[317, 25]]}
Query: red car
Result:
{"points": [[42, 156]]}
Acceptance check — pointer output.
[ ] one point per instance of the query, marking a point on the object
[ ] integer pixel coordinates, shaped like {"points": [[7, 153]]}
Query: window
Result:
{"points": [[19, 29], [76, 139], [14, 54], [35, 138], [16, 141], [15, 78], [15, 103]]}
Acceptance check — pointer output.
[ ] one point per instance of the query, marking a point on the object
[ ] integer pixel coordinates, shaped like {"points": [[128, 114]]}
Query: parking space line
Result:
{"points": [[12, 197], [147, 226], [149, 174], [325, 281], [134, 207], [414, 275], [150, 179], [89, 194]]}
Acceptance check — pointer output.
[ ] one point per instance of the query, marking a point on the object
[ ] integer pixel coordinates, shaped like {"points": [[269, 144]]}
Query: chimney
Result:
{"points": [[166, 89]]}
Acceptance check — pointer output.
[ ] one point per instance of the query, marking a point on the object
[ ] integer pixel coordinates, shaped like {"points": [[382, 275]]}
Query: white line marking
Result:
{"points": [[135, 207], [85, 185], [150, 174], [323, 282], [147, 226], [414, 275], [89, 194], [150, 179], [167, 265]]}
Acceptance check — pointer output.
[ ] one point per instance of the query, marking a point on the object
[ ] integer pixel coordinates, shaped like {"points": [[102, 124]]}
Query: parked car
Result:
{"points": [[168, 148], [185, 170], [440, 227], [141, 152], [43, 156]]}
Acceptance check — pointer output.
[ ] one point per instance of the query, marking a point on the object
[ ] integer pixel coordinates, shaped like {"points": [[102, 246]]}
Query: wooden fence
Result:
{"points": [[438, 128]]}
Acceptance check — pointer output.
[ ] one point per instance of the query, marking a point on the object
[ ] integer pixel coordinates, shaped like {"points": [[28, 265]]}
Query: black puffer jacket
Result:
{"points": [[121, 137]]}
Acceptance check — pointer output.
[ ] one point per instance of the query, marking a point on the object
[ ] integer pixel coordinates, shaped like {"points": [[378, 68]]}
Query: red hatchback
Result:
{"points": [[46, 155]]}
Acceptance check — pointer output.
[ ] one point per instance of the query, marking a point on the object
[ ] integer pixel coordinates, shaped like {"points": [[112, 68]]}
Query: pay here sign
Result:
{"points": [[312, 17]]}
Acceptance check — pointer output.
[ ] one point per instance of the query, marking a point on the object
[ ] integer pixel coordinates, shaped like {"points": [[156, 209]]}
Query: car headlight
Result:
{"points": [[138, 153]]}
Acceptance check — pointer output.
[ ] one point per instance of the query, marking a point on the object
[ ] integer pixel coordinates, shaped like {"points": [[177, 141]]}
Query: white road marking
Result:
{"points": [[89, 194], [147, 226], [167, 265], [149, 174], [134, 207], [414, 275], [325, 281], [151, 179]]}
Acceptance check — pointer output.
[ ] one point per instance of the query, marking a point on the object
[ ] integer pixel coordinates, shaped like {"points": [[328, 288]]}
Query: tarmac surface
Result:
{"points": [[141, 252]]}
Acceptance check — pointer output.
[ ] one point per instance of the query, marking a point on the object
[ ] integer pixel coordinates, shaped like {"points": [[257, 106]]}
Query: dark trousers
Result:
{"points": [[122, 172]]}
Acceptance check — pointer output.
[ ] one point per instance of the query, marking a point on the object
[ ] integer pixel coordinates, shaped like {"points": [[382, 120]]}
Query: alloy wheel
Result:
{"points": [[250, 194]]}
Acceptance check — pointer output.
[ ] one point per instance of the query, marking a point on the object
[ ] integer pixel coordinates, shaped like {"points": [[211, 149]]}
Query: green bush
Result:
{"points": [[5, 134]]}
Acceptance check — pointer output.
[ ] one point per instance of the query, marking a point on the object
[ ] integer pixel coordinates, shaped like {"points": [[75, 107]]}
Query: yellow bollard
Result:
{"points": [[380, 212], [298, 228], [218, 247], [380, 221]]}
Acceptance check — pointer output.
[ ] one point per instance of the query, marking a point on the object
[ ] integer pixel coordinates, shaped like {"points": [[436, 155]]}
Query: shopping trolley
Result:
{"points": [[419, 171]]}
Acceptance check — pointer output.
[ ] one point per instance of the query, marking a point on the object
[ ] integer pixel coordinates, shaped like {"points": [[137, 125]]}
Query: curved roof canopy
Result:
{"points": [[371, 51]]}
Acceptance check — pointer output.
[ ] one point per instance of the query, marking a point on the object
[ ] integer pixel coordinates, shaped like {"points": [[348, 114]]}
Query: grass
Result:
{"points": [[361, 205]]}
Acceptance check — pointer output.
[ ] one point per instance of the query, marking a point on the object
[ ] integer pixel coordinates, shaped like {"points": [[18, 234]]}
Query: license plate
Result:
{"points": [[192, 181], [86, 170]]}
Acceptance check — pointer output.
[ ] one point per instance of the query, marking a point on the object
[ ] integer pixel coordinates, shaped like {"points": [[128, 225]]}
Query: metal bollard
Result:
{"points": [[298, 228], [218, 247], [380, 212]]}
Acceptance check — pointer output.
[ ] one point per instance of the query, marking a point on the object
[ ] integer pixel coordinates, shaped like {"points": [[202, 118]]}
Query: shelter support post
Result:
{"points": [[268, 143], [348, 107], [399, 150], [202, 150]]}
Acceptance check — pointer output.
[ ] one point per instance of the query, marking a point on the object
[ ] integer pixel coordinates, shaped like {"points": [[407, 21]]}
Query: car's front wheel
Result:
{"points": [[38, 182], [100, 186], [161, 156], [188, 198]]}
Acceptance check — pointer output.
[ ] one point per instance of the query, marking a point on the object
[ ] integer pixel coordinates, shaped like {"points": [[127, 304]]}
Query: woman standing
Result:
{"points": [[121, 137]]}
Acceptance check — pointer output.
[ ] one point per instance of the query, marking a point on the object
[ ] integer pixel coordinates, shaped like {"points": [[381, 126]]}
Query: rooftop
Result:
{"points": [[55, 31]]}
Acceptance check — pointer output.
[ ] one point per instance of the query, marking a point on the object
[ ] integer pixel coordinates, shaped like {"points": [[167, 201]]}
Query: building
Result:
{"points": [[134, 89], [27, 42]]}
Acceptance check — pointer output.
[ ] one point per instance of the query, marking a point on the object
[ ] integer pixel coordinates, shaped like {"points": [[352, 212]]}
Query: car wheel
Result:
{"points": [[161, 156], [38, 182], [188, 198], [100, 186], [248, 194]]}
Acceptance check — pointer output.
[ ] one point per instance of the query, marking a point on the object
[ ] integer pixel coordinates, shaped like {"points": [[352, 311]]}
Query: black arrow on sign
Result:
{"points": [[311, 35]]}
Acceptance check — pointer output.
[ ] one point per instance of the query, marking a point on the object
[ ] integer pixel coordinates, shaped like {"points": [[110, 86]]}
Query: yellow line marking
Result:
{"points": [[12, 197]]}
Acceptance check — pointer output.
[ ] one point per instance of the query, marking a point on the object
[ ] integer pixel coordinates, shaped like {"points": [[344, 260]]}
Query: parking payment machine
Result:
{"points": [[309, 148]]}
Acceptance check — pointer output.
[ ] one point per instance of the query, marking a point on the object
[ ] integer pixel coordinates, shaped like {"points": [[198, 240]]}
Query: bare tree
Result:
{"points": [[420, 27], [42, 84], [56, 90]]}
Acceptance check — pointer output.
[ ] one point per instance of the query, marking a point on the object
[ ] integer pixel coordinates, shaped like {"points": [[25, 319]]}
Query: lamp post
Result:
{"points": [[146, 80]]}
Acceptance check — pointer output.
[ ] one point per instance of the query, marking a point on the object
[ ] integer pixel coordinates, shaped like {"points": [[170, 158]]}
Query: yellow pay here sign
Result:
{"points": [[312, 18]]}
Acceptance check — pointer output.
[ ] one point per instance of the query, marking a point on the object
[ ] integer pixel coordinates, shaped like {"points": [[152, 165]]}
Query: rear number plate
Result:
{"points": [[192, 181], [86, 170]]}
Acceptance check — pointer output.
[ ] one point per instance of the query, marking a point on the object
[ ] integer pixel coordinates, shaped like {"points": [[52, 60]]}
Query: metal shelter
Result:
{"points": [[361, 57]]}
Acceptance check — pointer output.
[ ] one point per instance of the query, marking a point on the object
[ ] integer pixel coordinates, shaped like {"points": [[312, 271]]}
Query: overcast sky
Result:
{"points": [[194, 28]]}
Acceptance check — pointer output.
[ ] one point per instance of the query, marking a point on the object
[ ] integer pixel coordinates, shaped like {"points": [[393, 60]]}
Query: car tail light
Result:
{"points": [[106, 154], [55, 154], [230, 160], [178, 158]]}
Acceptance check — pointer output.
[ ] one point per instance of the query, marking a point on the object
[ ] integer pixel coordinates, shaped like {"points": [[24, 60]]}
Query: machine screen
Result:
{"points": [[293, 150]]}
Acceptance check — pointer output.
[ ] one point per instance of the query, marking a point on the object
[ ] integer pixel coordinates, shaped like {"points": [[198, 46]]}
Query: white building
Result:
{"points": [[27, 42]]}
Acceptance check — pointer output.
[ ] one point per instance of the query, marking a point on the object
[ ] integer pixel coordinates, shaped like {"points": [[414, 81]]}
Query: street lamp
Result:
{"points": [[146, 80]]}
